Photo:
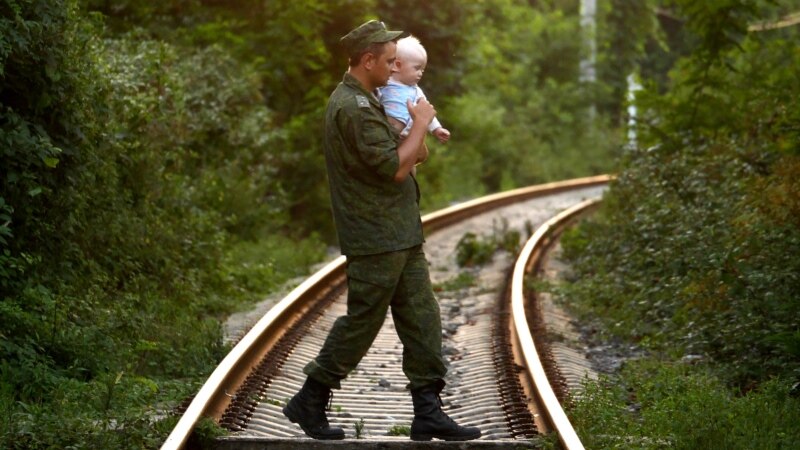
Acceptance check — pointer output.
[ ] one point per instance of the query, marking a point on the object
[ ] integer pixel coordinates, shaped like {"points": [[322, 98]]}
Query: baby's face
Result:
{"points": [[409, 70]]}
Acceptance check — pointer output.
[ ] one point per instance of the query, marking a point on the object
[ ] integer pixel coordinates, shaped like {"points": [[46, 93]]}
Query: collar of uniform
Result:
{"points": [[351, 81]]}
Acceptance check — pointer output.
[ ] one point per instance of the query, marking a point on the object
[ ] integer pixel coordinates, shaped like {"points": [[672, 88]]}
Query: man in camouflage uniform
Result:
{"points": [[375, 207]]}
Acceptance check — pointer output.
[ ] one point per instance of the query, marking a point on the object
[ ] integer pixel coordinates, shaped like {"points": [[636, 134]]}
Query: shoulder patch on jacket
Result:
{"points": [[362, 101]]}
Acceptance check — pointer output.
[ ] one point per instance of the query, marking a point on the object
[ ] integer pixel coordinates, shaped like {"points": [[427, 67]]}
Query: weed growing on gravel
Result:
{"points": [[400, 430], [205, 433], [359, 427], [461, 281], [474, 250], [544, 442]]}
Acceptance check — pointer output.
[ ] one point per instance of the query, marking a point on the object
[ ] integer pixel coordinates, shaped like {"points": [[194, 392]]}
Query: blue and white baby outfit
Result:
{"points": [[393, 97]]}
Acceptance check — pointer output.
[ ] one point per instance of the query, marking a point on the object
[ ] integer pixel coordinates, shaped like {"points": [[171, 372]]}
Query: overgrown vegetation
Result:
{"points": [[694, 253], [474, 250], [161, 167], [668, 405], [139, 200]]}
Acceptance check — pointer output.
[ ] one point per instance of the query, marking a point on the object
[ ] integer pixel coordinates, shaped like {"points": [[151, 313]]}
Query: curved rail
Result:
{"points": [[216, 393], [535, 379]]}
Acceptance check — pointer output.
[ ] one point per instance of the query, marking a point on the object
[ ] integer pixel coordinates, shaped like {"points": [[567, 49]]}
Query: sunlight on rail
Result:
{"points": [[559, 420], [217, 391]]}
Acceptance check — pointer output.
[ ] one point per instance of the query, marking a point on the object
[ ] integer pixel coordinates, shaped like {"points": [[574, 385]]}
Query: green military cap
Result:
{"points": [[368, 33]]}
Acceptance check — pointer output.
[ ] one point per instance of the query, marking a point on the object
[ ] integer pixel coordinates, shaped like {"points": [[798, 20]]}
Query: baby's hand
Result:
{"points": [[442, 134]]}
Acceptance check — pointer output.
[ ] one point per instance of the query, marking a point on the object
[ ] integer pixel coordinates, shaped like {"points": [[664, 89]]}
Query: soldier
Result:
{"points": [[376, 212]]}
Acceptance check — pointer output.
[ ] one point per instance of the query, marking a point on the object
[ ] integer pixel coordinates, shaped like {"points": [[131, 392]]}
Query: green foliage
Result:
{"points": [[721, 107], [484, 156], [625, 28], [39, 105], [130, 167], [697, 241], [259, 267], [718, 26], [399, 430], [655, 405], [694, 251], [90, 415], [521, 116], [43, 110], [359, 428], [472, 250], [161, 167], [440, 27], [139, 214], [461, 281], [293, 50], [205, 433], [702, 259]]}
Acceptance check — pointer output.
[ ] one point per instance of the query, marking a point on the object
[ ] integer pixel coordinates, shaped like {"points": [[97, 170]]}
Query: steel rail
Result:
{"points": [[534, 378], [215, 395], [785, 21]]}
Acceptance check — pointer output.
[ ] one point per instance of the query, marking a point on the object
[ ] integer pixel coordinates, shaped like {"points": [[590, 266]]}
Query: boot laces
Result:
{"points": [[330, 401], [441, 406]]}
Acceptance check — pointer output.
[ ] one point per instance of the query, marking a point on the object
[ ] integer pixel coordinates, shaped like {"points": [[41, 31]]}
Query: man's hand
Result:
{"points": [[422, 111], [412, 148], [442, 134]]}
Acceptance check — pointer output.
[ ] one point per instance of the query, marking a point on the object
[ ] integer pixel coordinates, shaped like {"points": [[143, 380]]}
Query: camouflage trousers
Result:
{"points": [[375, 283]]}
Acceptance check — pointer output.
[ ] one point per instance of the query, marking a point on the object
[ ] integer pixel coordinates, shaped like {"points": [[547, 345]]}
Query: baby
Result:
{"points": [[409, 66]]}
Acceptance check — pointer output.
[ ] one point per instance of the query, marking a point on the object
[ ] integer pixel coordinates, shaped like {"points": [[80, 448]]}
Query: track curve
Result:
{"points": [[473, 396]]}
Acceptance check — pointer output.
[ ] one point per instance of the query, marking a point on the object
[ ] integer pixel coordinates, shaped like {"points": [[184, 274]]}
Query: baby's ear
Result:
{"points": [[396, 65]]}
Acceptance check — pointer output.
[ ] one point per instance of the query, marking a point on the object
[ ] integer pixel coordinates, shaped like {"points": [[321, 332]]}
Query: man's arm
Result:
{"points": [[412, 149], [422, 154], [396, 124]]}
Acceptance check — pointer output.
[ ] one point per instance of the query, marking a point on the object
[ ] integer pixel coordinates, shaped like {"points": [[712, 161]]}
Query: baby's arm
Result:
{"points": [[435, 127]]}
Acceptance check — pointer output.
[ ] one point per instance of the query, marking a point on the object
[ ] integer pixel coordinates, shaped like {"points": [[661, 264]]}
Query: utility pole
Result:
{"points": [[633, 87], [587, 66], [588, 28]]}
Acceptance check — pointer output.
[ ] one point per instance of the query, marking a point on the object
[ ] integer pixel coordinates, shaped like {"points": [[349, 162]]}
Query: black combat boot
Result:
{"points": [[307, 409], [431, 422]]}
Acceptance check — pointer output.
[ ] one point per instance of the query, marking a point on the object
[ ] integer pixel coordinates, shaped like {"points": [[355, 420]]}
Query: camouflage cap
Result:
{"points": [[368, 33]]}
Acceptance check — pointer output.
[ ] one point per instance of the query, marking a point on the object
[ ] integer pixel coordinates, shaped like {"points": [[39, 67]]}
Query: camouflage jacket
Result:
{"points": [[372, 212]]}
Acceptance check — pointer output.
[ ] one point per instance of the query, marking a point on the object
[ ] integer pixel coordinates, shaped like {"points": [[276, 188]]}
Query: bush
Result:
{"points": [[654, 405], [132, 167], [695, 248]]}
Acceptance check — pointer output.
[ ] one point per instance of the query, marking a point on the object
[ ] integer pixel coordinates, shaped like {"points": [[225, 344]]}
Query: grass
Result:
{"points": [[474, 250], [400, 430], [359, 427], [124, 405], [657, 404], [463, 280]]}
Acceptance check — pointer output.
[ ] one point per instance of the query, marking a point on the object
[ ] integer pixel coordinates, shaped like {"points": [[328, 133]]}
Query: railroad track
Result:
{"points": [[496, 379]]}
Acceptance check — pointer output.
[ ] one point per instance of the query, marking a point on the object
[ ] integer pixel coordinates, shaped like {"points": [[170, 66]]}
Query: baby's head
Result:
{"points": [[410, 61]]}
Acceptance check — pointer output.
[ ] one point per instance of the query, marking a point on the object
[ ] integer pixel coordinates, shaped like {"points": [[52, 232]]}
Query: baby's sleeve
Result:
{"points": [[435, 122]]}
